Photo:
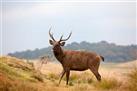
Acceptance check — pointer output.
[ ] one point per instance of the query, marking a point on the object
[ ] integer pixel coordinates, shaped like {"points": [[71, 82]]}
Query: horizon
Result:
{"points": [[25, 24], [71, 43]]}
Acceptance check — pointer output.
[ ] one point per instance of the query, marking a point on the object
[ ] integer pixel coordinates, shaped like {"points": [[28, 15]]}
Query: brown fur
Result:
{"points": [[76, 60]]}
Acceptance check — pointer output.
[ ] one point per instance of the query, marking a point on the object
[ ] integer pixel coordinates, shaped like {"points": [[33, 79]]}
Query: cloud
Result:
{"points": [[90, 22]]}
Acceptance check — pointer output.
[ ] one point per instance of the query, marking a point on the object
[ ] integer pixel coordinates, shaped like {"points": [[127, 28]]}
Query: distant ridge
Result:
{"points": [[110, 51]]}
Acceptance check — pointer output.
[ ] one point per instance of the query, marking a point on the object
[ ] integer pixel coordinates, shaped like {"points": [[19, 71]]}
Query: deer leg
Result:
{"points": [[62, 74], [97, 65], [96, 73], [67, 75]]}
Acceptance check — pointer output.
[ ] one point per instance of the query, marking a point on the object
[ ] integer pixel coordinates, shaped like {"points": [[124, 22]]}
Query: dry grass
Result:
{"points": [[132, 80], [108, 83], [10, 84], [21, 76]]}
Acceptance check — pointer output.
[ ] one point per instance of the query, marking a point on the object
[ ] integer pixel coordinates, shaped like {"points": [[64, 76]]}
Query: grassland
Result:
{"points": [[19, 75]]}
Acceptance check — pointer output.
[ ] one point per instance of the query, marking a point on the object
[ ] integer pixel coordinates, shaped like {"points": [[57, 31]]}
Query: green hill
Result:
{"points": [[111, 51]]}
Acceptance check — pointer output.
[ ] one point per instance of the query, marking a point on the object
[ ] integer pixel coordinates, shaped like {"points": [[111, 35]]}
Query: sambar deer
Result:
{"points": [[74, 60]]}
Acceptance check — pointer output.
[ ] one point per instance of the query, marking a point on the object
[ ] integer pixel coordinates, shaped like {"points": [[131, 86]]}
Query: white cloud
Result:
{"points": [[90, 23]]}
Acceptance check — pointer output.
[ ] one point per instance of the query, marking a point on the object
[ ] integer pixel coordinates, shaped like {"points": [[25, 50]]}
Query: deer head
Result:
{"points": [[57, 44]]}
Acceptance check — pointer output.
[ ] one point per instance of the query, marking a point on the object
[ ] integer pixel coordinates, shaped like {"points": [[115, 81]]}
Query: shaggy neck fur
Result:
{"points": [[59, 54]]}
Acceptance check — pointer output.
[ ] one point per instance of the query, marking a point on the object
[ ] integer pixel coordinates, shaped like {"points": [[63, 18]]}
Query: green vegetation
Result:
{"points": [[110, 51], [52, 76], [15, 78], [107, 83], [7, 70], [17, 72], [81, 78]]}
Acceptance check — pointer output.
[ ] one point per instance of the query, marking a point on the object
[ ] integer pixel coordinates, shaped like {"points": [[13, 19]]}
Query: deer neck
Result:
{"points": [[59, 54]]}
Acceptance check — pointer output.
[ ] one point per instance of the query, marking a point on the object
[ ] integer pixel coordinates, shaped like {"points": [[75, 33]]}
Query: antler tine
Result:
{"points": [[61, 38], [66, 38], [51, 35]]}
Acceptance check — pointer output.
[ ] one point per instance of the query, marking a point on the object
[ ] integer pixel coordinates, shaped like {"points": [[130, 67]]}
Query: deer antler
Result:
{"points": [[66, 38], [51, 35]]}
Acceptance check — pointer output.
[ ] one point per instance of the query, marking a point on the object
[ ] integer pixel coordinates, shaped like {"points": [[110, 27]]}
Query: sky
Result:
{"points": [[25, 23]]}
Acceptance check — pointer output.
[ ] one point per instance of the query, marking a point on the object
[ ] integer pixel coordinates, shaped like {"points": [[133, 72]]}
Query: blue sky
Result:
{"points": [[25, 23]]}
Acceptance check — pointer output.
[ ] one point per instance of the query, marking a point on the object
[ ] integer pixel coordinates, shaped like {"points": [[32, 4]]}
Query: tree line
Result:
{"points": [[110, 51]]}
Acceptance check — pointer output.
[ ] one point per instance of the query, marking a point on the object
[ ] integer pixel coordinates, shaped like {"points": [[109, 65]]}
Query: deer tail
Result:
{"points": [[102, 58]]}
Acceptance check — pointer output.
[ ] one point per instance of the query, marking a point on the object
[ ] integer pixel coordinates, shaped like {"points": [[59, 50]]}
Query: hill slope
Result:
{"points": [[19, 75]]}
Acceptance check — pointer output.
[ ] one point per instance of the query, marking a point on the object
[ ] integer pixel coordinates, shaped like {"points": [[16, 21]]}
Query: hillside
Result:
{"points": [[111, 51], [21, 75], [18, 75]]}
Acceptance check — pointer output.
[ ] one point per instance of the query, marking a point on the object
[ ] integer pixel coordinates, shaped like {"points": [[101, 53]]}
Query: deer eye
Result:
{"points": [[51, 42], [62, 43]]}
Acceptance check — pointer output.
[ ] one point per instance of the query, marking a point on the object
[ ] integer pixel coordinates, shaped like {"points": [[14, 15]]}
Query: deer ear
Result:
{"points": [[62, 43], [51, 42]]}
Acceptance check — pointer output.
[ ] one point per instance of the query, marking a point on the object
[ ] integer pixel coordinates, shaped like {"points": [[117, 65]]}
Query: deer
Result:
{"points": [[72, 60]]}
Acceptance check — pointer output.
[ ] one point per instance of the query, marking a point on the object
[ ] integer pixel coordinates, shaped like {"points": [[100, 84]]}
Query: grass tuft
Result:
{"points": [[8, 70], [39, 77], [107, 84], [71, 83], [52, 76], [81, 87], [132, 81]]}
